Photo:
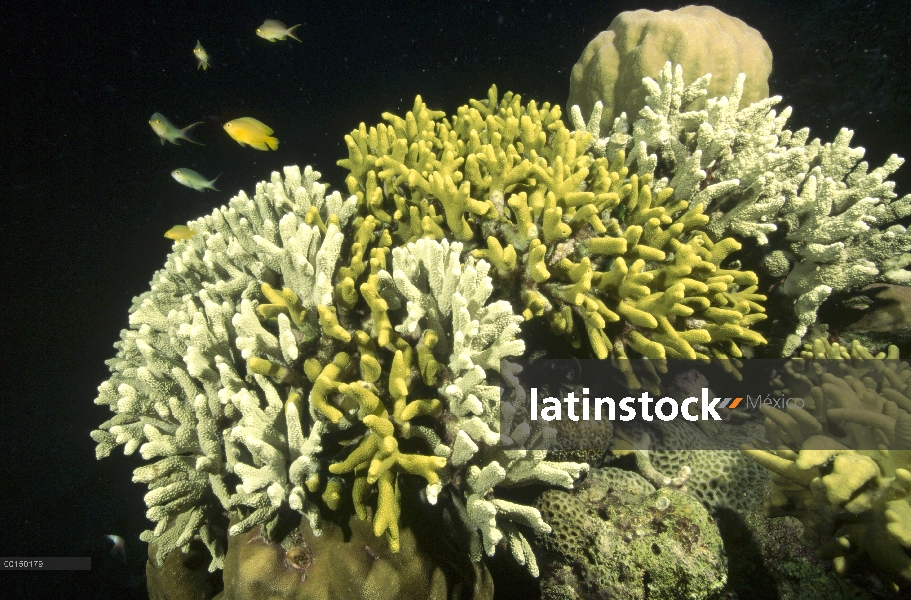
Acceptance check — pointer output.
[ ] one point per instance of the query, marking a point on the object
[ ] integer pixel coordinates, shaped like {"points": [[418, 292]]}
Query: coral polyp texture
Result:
{"points": [[271, 367], [586, 243], [842, 465], [824, 220]]}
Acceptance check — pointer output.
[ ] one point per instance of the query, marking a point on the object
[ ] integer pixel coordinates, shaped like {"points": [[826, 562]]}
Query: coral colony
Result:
{"points": [[214, 342], [305, 351]]}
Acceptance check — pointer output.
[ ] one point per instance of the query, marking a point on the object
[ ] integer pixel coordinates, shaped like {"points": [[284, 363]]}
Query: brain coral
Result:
{"points": [[638, 43], [617, 537], [719, 478]]}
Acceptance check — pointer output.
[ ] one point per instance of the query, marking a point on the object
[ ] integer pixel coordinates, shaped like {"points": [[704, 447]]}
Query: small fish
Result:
{"points": [[168, 132], [192, 179], [180, 233], [202, 57], [250, 132], [275, 30], [120, 546]]}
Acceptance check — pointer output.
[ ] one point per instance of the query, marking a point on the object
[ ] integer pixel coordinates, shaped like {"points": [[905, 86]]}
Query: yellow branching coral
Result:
{"points": [[841, 463], [390, 367], [379, 453], [331, 351], [580, 241], [385, 387]]}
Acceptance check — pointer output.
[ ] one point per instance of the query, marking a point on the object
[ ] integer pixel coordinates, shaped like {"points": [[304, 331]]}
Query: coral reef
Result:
{"points": [[264, 372], [638, 43], [585, 243], [824, 220], [346, 562], [180, 385], [718, 476], [842, 465], [878, 315], [616, 536], [305, 358]]}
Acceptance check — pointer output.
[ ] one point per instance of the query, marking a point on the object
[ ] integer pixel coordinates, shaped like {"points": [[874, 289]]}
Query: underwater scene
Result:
{"points": [[466, 300]]}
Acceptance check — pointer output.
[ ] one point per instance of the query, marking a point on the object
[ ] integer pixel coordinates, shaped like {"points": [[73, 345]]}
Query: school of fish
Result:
{"points": [[246, 131]]}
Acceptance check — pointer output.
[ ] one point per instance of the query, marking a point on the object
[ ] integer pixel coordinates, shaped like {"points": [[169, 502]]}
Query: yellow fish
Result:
{"points": [[247, 131], [275, 30], [168, 132], [179, 232], [202, 57]]}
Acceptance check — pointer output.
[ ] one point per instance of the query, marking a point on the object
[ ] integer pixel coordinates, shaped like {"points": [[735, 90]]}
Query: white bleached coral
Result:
{"points": [[829, 211], [450, 298], [180, 387], [212, 378]]}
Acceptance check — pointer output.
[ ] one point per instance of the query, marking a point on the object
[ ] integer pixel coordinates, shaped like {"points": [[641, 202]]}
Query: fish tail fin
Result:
{"points": [[291, 32], [211, 185], [272, 143], [185, 133]]}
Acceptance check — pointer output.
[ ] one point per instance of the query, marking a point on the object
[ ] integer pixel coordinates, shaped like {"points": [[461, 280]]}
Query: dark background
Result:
{"points": [[86, 188]]}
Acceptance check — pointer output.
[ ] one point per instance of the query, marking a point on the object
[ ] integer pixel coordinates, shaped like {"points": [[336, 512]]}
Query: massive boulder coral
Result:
{"points": [[638, 43], [824, 220], [269, 372], [618, 537], [842, 464], [346, 563], [584, 242], [717, 475]]}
